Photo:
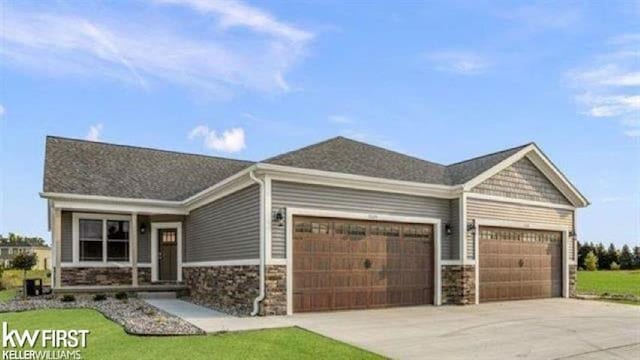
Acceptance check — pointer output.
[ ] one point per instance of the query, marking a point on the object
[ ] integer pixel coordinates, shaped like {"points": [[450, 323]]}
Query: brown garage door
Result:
{"points": [[519, 264], [348, 264]]}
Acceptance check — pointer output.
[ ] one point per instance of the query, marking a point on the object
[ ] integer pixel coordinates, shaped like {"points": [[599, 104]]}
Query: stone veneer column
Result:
{"points": [[458, 284], [275, 301], [573, 280]]}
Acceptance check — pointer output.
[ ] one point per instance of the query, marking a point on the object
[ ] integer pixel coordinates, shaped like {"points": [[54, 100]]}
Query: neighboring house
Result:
{"points": [[9, 250], [336, 225]]}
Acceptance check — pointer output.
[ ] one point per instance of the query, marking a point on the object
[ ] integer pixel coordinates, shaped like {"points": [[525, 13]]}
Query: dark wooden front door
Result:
{"points": [[518, 264], [167, 258], [341, 264]]}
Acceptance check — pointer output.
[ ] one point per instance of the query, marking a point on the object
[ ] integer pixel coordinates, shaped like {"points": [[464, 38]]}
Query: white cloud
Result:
{"points": [[234, 13], [2, 110], [232, 140], [340, 119], [458, 62], [608, 87], [538, 18], [94, 132], [145, 52]]}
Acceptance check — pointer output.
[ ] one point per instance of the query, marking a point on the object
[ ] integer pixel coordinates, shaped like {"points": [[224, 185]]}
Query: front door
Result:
{"points": [[167, 257]]}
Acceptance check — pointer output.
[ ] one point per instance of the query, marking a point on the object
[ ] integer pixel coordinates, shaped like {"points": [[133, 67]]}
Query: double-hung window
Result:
{"points": [[102, 238]]}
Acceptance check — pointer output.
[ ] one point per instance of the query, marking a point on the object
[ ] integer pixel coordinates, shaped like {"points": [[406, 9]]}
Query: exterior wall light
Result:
{"points": [[143, 227], [278, 217], [447, 229]]}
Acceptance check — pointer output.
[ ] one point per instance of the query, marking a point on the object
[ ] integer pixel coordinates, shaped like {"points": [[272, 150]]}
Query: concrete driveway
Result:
{"points": [[536, 329]]}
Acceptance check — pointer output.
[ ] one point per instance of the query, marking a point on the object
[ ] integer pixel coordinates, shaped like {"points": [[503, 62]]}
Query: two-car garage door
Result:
{"points": [[341, 264], [518, 264]]}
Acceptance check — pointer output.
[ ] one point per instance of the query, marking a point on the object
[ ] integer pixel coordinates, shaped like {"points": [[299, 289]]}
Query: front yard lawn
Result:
{"points": [[622, 282], [107, 340], [6, 295]]}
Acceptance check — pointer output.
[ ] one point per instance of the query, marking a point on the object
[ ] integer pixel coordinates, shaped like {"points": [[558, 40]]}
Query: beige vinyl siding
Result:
{"points": [[471, 245], [522, 180], [226, 229], [287, 194]]}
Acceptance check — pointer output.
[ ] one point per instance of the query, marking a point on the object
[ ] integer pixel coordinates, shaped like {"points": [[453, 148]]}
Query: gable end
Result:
{"points": [[522, 180]]}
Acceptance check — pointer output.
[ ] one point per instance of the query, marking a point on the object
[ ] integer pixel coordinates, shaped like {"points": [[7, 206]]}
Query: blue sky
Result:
{"points": [[440, 80]]}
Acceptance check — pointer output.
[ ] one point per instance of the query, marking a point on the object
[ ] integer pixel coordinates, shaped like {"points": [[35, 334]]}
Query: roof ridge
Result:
{"points": [[340, 137], [303, 148], [146, 148], [491, 154]]}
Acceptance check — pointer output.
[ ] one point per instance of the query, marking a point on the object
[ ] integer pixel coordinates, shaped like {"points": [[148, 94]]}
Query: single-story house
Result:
{"points": [[336, 225]]}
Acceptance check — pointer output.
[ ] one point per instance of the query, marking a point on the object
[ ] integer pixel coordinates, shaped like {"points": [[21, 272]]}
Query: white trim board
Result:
{"points": [[102, 265], [479, 196], [155, 226], [292, 211], [526, 226]]}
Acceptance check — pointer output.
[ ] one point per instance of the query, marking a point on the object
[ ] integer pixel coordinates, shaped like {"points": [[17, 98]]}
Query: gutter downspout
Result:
{"points": [[261, 295]]}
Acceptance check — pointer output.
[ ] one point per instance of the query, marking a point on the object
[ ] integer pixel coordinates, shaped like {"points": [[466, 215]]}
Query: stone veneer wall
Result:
{"points": [[275, 301], [144, 276], [458, 284], [231, 289], [84, 276], [573, 280]]}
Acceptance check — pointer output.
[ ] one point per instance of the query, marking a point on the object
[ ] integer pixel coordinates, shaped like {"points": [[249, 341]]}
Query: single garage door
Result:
{"points": [[343, 264], [519, 264]]}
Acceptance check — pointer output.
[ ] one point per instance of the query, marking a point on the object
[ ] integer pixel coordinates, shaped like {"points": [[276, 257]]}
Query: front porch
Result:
{"points": [[116, 248]]}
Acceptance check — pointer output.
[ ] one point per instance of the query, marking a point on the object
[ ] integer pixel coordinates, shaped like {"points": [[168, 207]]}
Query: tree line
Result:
{"points": [[19, 240], [596, 257]]}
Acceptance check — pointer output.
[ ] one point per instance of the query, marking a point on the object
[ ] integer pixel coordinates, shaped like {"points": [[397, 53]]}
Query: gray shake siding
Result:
{"points": [[286, 194], [226, 229], [522, 180]]}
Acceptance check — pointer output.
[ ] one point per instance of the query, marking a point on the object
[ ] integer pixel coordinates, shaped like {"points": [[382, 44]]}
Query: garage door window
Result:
{"points": [[312, 228], [350, 229]]}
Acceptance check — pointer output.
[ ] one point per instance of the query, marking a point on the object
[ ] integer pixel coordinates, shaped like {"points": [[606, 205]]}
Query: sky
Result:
{"points": [[441, 80]]}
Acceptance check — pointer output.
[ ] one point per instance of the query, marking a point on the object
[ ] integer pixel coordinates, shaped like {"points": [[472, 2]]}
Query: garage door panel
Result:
{"points": [[349, 264], [519, 264]]}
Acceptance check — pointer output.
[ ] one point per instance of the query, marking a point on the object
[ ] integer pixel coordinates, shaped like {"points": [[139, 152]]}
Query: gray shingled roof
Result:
{"points": [[353, 157], [93, 168]]}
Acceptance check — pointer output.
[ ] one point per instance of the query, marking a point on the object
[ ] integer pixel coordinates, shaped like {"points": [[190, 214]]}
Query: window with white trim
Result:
{"points": [[102, 239], [90, 236]]}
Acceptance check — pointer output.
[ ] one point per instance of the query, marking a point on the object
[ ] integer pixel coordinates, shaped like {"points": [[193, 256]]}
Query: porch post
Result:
{"points": [[57, 241], [133, 250]]}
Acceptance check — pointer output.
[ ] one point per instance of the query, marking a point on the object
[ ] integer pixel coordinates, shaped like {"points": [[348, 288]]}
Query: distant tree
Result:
{"points": [[583, 250], [601, 253], [613, 256], [24, 262], [626, 258], [636, 257], [614, 266], [591, 262]]}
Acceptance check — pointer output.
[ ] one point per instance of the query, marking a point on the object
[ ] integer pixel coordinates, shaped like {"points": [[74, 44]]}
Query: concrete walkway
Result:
{"points": [[212, 321], [535, 329]]}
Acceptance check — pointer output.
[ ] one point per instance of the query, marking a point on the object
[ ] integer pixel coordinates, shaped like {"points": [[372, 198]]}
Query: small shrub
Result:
{"points": [[99, 297], [122, 295], [591, 262], [614, 266], [68, 298]]}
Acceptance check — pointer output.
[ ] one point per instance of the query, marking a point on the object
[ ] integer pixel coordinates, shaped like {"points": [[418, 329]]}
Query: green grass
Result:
{"points": [[6, 295], [622, 282], [13, 278], [109, 341]]}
